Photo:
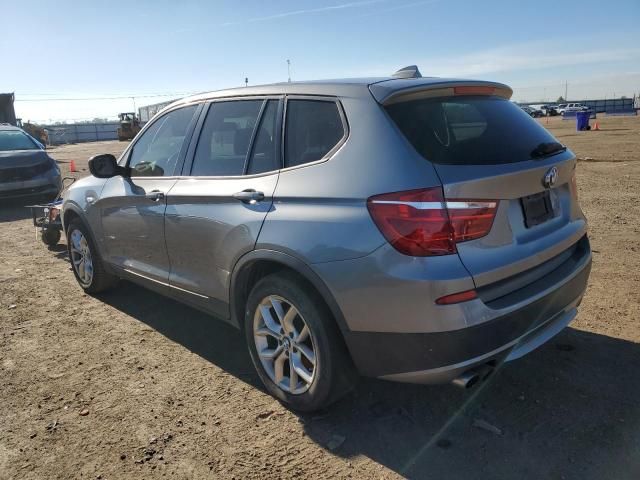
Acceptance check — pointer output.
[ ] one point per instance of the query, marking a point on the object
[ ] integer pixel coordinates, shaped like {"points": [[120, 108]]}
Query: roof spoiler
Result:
{"points": [[398, 91], [408, 72]]}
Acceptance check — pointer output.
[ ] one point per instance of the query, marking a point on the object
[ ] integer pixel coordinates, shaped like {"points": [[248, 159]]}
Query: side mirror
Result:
{"points": [[105, 166]]}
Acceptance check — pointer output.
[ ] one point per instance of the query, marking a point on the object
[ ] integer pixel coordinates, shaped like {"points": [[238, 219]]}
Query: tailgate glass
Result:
{"points": [[472, 130]]}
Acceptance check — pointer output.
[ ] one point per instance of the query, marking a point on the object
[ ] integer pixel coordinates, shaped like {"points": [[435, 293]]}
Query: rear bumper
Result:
{"points": [[438, 357]]}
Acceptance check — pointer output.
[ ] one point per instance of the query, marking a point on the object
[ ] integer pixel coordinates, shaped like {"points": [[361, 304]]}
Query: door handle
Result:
{"points": [[249, 196], [155, 195]]}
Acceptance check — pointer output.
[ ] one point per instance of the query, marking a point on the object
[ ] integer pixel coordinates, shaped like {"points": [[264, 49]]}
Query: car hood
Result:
{"points": [[23, 158]]}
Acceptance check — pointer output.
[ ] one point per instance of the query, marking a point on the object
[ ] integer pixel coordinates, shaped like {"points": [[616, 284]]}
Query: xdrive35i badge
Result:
{"points": [[550, 178]]}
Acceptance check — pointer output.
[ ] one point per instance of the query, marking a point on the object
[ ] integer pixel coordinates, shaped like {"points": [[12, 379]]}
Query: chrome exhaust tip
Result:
{"points": [[467, 380], [472, 377]]}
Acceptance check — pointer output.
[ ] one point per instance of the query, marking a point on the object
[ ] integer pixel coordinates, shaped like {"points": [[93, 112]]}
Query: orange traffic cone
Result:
{"points": [[72, 166], [596, 126]]}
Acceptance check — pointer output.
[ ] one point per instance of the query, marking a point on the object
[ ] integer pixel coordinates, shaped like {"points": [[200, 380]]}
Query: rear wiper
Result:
{"points": [[546, 149]]}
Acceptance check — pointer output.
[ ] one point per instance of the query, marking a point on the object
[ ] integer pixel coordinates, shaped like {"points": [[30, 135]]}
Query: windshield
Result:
{"points": [[15, 140], [469, 130]]}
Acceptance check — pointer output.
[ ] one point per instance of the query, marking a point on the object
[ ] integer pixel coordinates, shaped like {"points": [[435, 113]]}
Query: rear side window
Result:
{"points": [[226, 134], [469, 130], [313, 128]]}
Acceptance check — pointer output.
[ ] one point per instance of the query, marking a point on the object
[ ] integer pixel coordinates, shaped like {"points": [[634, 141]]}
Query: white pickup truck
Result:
{"points": [[571, 107]]}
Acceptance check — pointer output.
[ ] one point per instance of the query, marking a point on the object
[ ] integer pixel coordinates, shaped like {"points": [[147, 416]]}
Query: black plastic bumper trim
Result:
{"points": [[380, 353]]}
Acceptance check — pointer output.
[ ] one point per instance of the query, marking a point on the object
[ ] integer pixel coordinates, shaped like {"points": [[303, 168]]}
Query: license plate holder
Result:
{"points": [[537, 208]]}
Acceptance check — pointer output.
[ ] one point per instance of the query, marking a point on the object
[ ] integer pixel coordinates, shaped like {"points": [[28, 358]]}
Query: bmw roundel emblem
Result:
{"points": [[550, 178]]}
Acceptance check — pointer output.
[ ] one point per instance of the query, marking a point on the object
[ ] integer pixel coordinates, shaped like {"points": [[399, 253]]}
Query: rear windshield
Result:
{"points": [[15, 140], [470, 130]]}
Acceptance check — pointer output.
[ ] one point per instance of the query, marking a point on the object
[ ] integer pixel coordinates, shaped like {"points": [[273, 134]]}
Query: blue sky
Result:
{"points": [[80, 49]]}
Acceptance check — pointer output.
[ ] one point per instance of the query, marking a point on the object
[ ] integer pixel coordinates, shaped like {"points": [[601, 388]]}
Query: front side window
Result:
{"points": [[16, 140], [226, 135], [156, 152], [314, 127]]}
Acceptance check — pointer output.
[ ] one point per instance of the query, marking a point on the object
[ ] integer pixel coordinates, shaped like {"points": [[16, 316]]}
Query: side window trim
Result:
{"points": [[195, 138], [254, 134], [277, 134], [126, 157], [335, 148]]}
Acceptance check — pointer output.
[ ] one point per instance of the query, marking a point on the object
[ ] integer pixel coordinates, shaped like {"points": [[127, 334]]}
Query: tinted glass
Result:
{"points": [[469, 130], [156, 153], [224, 142], [15, 140], [313, 129], [264, 151]]}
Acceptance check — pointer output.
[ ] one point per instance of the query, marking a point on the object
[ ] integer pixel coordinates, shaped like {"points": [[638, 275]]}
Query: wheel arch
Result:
{"points": [[71, 212], [259, 263]]}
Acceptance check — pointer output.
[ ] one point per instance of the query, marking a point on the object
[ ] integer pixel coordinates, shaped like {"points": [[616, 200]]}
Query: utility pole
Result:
{"points": [[134, 104], [289, 70], [566, 86], [246, 81]]}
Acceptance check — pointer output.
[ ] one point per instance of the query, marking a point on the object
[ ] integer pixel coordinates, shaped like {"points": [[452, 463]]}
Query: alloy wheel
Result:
{"points": [[285, 344], [81, 257]]}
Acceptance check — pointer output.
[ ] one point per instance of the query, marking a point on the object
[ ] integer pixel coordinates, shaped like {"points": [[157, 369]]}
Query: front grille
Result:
{"points": [[21, 192], [21, 174]]}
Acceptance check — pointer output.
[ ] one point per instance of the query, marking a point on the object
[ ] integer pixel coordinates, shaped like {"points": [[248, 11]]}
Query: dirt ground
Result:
{"points": [[131, 385]]}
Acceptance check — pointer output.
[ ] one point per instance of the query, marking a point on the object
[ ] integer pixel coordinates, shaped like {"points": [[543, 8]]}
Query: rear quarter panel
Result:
{"points": [[319, 212]]}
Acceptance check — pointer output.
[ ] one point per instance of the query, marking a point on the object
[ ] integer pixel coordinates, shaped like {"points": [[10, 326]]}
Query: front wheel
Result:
{"points": [[294, 344], [85, 260]]}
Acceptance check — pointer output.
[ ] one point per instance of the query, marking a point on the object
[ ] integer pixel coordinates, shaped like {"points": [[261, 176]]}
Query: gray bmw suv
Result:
{"points": [[406, 228]]}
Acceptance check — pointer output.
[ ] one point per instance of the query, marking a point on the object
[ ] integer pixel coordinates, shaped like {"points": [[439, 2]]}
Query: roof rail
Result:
{"points": [[408, 72]]}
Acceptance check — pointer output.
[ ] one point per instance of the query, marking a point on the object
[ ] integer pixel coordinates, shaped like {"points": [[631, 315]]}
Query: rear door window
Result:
{"points": [[313, 129], [468, 130], [225, 138]]}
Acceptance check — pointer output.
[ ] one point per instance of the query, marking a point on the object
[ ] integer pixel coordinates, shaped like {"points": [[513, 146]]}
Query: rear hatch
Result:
{"points": [[485, 148]]}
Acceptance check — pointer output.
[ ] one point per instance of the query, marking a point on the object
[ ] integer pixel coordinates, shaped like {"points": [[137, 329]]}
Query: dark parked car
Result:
{"points": [[412, 229], [532, 111], [25, 167]]}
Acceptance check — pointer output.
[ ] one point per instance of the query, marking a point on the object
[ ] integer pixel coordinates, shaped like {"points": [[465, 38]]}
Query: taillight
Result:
{"points": [[421, 223]]}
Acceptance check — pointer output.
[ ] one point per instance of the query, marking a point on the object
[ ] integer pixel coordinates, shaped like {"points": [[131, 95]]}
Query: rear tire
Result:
{"points": [[303, 343], [86, 263]]}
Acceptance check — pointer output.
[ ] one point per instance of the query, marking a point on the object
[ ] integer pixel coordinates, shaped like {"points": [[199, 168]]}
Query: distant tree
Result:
{"points": [[560, 99]]}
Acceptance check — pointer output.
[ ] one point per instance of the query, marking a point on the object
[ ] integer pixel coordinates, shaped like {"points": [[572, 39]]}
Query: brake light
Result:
{"points": [[474, 90], [421, 223]]}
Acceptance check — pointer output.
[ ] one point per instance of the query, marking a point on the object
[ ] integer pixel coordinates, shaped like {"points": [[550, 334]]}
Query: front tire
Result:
{"points": [[294, 343], [86, 263]]}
